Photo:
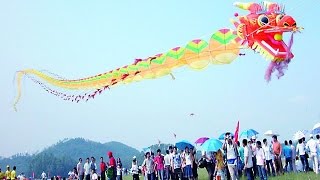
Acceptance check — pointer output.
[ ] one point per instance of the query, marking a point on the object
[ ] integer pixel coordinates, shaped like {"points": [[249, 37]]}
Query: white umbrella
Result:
{"points": [[298, 135], [271, 133], [316, 126]]}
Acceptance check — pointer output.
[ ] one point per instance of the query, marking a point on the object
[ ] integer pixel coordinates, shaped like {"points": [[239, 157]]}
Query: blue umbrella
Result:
{"points": [[315, 131], [222, 136], [183, 144], [211, 145], [248, 133]]}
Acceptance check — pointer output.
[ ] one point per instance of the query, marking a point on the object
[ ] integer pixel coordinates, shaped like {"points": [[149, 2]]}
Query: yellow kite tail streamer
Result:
{"points": [[19, 77]]}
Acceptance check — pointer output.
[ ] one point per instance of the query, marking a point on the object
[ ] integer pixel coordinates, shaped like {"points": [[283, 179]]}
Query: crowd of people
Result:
{"points": [[250, 158], [111, 170], [10, 174]]}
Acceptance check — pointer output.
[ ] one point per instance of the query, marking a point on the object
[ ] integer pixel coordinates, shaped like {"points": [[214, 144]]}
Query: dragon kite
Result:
{"points": [[261, 31]]}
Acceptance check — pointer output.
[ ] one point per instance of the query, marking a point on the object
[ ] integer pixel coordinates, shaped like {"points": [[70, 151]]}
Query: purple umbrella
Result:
{"points": [[201, 140]]}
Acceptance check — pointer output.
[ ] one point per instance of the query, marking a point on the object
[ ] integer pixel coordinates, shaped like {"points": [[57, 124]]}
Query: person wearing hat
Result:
{"points": [[112, 166], [8, 173], [135, 169]]}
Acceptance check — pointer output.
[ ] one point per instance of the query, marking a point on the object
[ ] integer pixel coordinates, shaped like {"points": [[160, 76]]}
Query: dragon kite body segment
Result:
{"points": [[261, 30]]}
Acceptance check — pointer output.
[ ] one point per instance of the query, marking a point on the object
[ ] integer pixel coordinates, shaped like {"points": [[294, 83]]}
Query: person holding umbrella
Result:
{"points": [[230, 148]]}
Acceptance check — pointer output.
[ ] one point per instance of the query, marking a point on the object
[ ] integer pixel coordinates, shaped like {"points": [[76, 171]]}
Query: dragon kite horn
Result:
{"points": [[252, 7], [271, 6]]}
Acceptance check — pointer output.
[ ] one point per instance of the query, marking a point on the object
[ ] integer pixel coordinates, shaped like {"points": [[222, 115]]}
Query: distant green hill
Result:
{"points": [[61, 157]]}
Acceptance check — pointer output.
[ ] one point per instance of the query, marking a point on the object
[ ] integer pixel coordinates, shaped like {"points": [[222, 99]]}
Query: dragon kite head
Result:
{"points": [[262, 30]]}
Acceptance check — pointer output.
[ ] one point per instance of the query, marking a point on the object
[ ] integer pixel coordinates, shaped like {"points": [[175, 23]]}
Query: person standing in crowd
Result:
{"points": [[80, 169], [43, 175], [2, 175], [301, 151], [167, 164], [268, 154], [312, 147], [194, 164], [231, 150], [277, 151], [8, 172], [112, 166], [86, 168], [240, 159], [119, 172], [176, 164], [171, 158], [93, 165], [188, 163], [248, 164], [94, 175], [210, 164], [103, 169], [135, 169], [13, 174], [149, 165], [220, 166], [119, 164], [261, 161], [306, 155], [253, 146], [294, 154], [287, 152], [159, 162]]}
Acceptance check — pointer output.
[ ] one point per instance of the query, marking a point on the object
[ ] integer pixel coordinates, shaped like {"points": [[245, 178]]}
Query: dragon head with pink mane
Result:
{"points": [[262, 30]]}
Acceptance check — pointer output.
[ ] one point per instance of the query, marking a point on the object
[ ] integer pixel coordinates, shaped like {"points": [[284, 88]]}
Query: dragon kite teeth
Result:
{"points": [[261, 30]]}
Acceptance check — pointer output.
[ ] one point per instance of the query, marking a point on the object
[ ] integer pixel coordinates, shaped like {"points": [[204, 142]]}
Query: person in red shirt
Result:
{"points": [[277, 150], [102, 168], [112, 166]]}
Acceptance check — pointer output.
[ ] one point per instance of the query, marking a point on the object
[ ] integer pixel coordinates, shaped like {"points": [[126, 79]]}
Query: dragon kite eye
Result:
{"points": [[263, 20], [286, 24], [294, 24]]}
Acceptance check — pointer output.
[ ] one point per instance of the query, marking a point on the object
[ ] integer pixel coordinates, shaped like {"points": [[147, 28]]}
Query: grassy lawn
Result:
{"points": [[299, 176]]}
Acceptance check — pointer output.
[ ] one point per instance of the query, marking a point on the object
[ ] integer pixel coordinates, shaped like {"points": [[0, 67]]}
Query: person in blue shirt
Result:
{"points": [[287, 152]]}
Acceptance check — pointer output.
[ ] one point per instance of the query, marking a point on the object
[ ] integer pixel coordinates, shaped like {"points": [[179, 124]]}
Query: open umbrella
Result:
{"points": [[316, 129], [271, 133], [183, 144], [222, 136], [316, 126], [248, 133], [201, 140], [211, 145]]}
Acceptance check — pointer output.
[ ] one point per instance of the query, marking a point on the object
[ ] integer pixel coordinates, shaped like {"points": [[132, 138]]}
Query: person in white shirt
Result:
{"points": [[261, 161], [167, 163], [94, 175], [312, 146], [80, 169], [230, 148], [248, 164], [135, 169], [301, 151], [269, 157], [294, 154], [86, 168], [148, 163], [43, 176]]}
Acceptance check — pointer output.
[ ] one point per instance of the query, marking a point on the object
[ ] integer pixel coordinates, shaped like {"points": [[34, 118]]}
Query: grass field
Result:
{"points": [[298, 176]]}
